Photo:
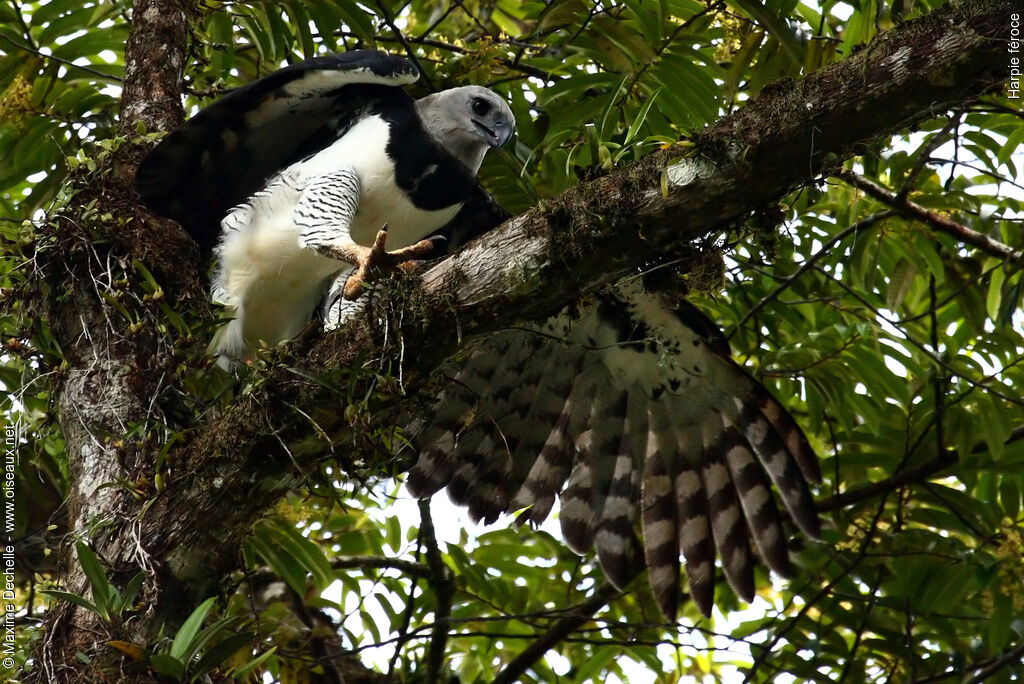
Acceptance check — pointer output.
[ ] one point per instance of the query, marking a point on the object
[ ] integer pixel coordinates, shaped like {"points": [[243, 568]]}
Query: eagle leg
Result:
{"points": [[376, 258]]}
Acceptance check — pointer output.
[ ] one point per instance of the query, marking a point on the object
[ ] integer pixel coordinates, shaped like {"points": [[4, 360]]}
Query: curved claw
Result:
{"points": [[376, 257]]}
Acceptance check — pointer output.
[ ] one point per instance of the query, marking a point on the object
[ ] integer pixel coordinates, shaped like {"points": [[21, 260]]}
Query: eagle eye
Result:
{"points": [[481, 106]]}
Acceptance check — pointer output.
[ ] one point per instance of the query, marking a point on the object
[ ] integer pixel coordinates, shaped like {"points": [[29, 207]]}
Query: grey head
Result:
{"points": [[467, 121]]}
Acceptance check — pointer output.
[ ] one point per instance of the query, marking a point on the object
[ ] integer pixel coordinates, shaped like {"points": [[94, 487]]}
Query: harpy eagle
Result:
{"points": [[629, 410], [296, 177]]}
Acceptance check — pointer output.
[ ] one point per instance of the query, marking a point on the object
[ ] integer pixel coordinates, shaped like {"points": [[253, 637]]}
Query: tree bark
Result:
{"points": [[113, 377], [122, 398]]}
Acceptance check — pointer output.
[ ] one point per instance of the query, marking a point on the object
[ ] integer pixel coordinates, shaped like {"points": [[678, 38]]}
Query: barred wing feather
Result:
{"points": [[652, 437]]}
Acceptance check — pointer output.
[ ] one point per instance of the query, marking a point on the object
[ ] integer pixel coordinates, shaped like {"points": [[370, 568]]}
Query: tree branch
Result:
{"points": [[112, 380], [410, 568], [1007, 657], [443, 583], [916, 475], [565, 626], [241, 461], [153, 61], [930, 218]]}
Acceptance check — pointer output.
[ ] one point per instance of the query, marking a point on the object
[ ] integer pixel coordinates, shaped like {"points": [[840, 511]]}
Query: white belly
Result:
{"points": [[271, 282]]}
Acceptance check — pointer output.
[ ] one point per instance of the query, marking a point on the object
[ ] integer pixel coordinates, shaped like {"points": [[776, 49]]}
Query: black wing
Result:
{"points": [[479, 214], [219, 157]]}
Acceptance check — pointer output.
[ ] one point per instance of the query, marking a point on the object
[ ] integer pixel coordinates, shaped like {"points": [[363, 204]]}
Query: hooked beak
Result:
{"points": [[497, 136]]}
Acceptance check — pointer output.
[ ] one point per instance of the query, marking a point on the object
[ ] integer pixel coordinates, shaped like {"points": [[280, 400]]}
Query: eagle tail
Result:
{"points": [[651, 436]]}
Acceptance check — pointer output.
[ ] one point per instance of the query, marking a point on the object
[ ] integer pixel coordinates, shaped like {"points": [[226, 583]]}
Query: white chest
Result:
{"points": [[381, 201]]}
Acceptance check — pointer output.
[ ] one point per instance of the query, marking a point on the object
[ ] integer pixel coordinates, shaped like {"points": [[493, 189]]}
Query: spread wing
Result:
{"points": [[652, 437], [226, 152]]}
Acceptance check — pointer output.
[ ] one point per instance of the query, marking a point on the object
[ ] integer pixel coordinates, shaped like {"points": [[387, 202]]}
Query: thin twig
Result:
{"points": [[925, 153], [825, 250], [861, 628], [1007, 658], [331, 674], [389, 20], [918, 474], [437, 22], [556, 633], [766, 654], [403, 630], [980, 170], [444, 588], [24, 26], [937, 221], [381, 562], [925, 349], [54, 58], [479, 24], [525, 69]]}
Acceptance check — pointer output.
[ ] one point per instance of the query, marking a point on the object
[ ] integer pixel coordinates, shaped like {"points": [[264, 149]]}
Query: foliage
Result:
{"points": [[107, 601], [196, 650], [897, 345]]}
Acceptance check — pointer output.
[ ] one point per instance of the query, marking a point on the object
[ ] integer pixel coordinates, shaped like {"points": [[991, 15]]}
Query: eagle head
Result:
{"points": [[467, 122]]}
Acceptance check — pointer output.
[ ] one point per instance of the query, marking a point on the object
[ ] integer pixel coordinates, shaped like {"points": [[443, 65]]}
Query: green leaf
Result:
{"points": [[899, 283], [168, 666], [999, 623], [776, 27], [190, 629], [205, 636], [632, 45], [562, 12], [641, 117], [994, 426], [994, 298], [282, 563], [130, 592], [1012, 144], [306, 552], [80, 601], [97, 579], [357, 19], [300, 20], [1010, 487], [219, 653], [596, 664], [243, 671]]}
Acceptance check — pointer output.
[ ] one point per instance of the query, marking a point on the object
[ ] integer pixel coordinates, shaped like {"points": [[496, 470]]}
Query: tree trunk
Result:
{"points": [[123, 397]]}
